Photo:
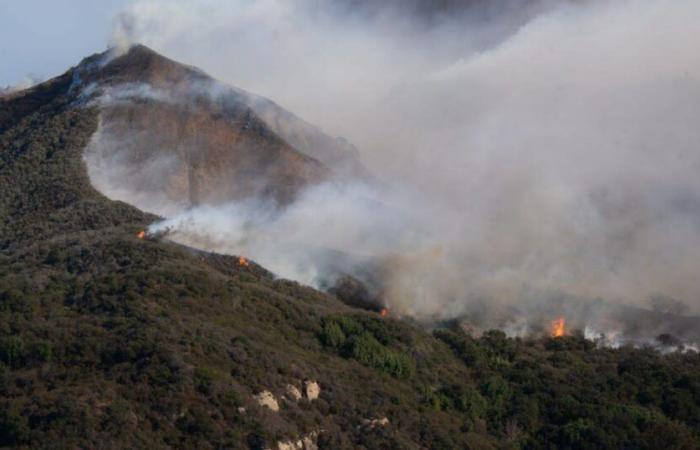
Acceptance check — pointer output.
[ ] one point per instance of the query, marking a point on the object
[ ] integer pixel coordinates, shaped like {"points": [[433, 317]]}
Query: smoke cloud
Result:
{"points": [[552, 156]]}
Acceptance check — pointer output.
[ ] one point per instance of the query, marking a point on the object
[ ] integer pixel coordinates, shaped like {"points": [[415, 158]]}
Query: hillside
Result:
{"points": [[111, 341], [170, 134]]}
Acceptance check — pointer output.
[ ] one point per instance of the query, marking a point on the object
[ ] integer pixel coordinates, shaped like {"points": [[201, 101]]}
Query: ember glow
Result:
{"points": [[141, 234], [384, 312], [558, 327], [243, 262]]}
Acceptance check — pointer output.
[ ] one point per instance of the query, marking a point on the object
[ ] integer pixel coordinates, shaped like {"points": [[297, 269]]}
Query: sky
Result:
{"points": [[43, 38]]}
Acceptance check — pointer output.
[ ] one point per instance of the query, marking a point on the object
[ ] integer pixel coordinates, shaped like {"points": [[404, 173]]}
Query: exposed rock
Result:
{"points": [[293, 392], [266, 398], [165, 142], [336, 153], [289, 445], [311, 389], [371, 424], [307, 442]]}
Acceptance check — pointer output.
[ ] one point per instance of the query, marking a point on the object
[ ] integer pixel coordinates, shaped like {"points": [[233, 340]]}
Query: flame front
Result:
{"points": [[384, 312], [243, 262], [559, 327], [141, 234]]}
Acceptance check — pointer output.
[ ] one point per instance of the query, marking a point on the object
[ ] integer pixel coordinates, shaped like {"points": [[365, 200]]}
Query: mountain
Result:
{"points": [[112, 340], [170, 134]]}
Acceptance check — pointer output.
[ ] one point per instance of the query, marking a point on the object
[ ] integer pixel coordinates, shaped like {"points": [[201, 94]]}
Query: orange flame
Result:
{"points": [[384, 312], [141, 234], [243, 262], [558, 327]]}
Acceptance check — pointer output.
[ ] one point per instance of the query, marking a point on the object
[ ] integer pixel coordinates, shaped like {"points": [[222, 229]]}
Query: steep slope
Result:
{"points": [[107, 340], [111, 341], [338, 154], [165, 135]]}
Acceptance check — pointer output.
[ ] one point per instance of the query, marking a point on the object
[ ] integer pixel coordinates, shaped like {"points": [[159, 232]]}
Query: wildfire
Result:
{"points": [[558, 327], [243, 262], [384, 312], [141, 234]]}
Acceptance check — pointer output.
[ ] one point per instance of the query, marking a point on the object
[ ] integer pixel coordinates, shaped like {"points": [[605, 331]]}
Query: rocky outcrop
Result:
{"points": [[308, 442], [311, 390], [293, 392], [267, 399], [371, 424]]}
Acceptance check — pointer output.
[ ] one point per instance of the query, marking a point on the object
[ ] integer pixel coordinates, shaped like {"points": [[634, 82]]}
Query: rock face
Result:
{"points": [[171, 137], [293, 392], [267, 399], [312, 390], [337, 153]]}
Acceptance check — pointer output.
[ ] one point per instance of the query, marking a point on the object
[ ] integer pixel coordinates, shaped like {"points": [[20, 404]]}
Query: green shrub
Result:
{"points": [[332, 335], [356, 339], [203, 379], [12, 351], [43, 351]]}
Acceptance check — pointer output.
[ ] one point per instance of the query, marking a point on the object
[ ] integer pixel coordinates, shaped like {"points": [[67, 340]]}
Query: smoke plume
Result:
{"points": [[523, 157]]}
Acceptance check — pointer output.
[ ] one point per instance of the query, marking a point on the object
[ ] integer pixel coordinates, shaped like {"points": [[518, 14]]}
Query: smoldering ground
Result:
{"points": [[523, 162]]}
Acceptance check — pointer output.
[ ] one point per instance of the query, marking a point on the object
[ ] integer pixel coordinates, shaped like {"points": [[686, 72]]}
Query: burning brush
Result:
{"points": [[558, 328]]}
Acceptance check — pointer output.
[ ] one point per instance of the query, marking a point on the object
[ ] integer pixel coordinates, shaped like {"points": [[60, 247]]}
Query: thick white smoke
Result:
{"points": [[560, 156]]}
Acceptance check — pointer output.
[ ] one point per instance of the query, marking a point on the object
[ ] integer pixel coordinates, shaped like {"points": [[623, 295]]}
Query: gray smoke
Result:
{"points": [[552, 156]]}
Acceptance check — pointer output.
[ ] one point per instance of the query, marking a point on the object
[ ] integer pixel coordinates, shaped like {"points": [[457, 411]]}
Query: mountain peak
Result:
{"points": [[170, 136], [138, 64]]}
